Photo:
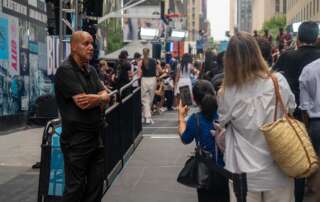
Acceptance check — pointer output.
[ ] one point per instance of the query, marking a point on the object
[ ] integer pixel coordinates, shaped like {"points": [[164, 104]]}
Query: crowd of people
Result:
{"points": [[245, 100], [234, 89]]}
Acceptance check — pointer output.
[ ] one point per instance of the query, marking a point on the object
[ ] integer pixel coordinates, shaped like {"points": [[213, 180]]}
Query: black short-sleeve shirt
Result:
{"points": [[70, 80]]}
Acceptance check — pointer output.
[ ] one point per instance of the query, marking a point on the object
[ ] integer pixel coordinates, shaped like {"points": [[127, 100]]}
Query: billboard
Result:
{"points": [[176, 12], [132, 25]]}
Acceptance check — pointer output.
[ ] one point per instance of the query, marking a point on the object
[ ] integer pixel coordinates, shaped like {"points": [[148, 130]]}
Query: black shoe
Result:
{"points": [[37, 165]]}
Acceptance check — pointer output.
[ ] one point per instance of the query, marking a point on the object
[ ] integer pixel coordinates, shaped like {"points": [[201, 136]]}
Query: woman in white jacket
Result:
{"points": [[247, 101]]}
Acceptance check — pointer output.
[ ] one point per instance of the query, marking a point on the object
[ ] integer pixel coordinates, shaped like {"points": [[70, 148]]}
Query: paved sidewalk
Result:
{"points": [[150, 174], [18, 152]]}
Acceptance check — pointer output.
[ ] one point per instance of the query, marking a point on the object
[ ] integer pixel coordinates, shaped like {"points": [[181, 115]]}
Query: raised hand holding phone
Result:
{"points": [[185, 95], [183, 110]]}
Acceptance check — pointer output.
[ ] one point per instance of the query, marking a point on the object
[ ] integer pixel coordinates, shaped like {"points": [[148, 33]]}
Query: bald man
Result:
{"points": [[80, 97]]}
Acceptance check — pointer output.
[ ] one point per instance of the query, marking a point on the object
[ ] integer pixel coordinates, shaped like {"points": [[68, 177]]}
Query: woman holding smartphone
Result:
{"points": [[183, 76], [198, 128]]}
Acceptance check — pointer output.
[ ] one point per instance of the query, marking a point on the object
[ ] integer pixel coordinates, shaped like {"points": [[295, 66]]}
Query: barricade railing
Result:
{"points": [[129, 106], [120, 134]]}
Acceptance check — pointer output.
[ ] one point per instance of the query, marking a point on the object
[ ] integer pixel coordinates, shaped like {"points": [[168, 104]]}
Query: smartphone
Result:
{"points": [[185, 95]]}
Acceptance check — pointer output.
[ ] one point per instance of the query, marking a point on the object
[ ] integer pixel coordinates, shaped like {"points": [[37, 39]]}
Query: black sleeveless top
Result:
{"points": [[149, 71]]}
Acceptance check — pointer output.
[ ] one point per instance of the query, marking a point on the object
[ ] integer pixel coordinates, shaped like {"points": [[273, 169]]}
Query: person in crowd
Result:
{"points": [[106, 75], [309, 83], [136, 60], [266, 49], [158, 100], [255, 34], [246, 101], [281, 39], [218, 78], [148, 68], [80, 97], [134, 68], [183, 75], [210, 63], [288, 40], [267, 36], [123, 70], [168, 87], [204, 97], [291, 63]]}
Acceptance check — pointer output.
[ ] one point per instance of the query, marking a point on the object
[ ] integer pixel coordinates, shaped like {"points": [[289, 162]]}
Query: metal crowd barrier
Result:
{"points": [[120, 134]]}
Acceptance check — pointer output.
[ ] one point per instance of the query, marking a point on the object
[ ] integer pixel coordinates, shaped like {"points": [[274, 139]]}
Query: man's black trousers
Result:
{"points": [[84, 166]]}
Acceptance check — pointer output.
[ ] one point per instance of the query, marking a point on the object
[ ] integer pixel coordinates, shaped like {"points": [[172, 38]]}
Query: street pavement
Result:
{"points": [[148, 176], [18, 152]]}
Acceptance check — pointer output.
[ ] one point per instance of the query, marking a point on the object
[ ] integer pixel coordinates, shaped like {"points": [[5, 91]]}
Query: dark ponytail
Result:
{"points": [[204, 96]]}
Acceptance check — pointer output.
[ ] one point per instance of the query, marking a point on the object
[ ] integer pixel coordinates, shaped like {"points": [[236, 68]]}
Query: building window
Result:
{"points": [[277, 6], [317, 5], [314, 7], [284, 6], [304, 13]]}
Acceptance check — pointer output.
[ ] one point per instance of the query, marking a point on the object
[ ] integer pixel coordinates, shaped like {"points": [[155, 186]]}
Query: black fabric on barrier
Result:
{"points": [[126, 116], [137, 116], [112, 140]]}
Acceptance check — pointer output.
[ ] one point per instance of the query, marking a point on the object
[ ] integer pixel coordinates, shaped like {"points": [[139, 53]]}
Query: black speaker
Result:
{"points": [[156, 50], [94, 7]]}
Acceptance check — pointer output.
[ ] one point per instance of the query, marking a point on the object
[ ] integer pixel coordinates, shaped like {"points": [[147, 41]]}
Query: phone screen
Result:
{"points": [[185, 95]]}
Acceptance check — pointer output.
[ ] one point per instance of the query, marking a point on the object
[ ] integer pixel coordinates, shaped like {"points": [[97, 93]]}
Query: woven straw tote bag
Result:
{"points": [[289, 142]]}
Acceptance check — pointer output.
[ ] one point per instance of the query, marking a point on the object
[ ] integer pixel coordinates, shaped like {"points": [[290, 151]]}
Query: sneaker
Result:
{"points": [[163, 109], [149, 121]]}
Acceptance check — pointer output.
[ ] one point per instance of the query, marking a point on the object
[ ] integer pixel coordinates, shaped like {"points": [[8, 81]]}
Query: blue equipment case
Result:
{"points": [[51, 178]]}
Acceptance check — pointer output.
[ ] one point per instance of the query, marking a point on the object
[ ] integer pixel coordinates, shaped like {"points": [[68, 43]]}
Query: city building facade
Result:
{"points": [[193, 19], [264, 10], [244, 15], [233, 16], [298, 10]]}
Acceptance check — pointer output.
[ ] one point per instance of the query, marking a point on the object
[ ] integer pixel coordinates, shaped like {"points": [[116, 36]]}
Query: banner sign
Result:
{"points": [[24, 62], [33, 47], [21, 9], [14, 46], [4, 46]]}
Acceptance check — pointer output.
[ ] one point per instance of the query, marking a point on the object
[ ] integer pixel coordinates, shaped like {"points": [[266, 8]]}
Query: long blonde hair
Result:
{"points": [[243, 61]]}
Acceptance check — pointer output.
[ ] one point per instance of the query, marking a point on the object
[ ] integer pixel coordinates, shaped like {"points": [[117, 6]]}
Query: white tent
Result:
{"points": [[132, 47]]}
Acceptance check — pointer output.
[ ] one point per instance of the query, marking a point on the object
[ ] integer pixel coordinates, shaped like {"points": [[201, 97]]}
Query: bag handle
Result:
{"points": [[279, 99], [198, 130]]}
